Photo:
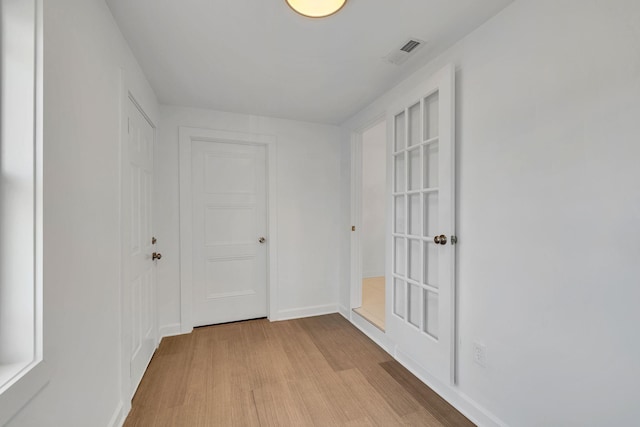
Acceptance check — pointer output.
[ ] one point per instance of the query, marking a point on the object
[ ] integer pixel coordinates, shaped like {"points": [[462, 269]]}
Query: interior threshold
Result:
{"points": [[375, 321]]}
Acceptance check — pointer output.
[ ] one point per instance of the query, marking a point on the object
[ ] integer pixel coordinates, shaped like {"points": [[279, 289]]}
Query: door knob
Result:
{"points": [[262, 240], [440, 240], [155, 256]]}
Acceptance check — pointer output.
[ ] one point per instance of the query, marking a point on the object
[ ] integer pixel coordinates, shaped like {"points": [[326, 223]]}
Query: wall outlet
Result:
{"points": [[480, 354]]}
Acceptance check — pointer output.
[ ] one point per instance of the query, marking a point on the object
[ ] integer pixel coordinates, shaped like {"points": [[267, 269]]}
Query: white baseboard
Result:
{"points": [[170, 330], [463, 403], [298, 313], [344, 311], [118, 417]]}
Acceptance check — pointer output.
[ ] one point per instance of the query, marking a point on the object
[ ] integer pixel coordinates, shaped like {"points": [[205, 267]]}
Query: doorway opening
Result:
{"points": [[373, 224]]}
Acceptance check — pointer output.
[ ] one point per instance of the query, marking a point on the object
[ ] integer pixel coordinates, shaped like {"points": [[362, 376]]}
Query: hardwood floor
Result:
{"points": [[319, 371]]}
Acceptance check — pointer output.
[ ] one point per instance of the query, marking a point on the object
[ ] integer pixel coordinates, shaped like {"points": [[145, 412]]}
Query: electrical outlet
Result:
{"points": [[480, 354]]}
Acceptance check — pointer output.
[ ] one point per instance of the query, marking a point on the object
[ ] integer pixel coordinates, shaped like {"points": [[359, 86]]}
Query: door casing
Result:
{"points": [[187, 135], [355, 299]]}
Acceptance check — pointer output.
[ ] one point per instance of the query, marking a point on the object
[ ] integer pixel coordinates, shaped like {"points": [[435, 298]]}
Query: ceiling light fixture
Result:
{"points": [[316, 8]]}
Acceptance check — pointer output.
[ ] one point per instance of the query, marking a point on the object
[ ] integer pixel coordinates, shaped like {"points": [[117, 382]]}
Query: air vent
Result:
{"points": [[403, 53], [411, 44]]}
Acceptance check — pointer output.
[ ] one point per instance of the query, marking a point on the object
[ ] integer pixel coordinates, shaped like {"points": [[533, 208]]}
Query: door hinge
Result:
{"points": [[353, 228], [454, 240]]}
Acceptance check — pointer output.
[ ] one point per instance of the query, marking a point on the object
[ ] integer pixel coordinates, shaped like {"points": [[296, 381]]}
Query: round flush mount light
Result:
{"points": [[316, 8]]}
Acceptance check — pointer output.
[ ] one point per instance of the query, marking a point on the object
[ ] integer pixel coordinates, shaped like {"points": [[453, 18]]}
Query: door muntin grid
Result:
{"points": [[415, 215]]}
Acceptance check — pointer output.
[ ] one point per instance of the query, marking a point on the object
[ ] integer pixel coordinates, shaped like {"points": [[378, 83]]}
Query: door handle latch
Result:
{"points": [[262, 240]]}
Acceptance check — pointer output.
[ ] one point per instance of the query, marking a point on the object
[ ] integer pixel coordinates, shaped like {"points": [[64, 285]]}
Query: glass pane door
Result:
{"points": [[420, 313], [416, 201]]}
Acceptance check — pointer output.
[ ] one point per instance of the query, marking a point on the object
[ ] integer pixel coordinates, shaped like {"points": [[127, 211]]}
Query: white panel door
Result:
{"points": [[139, 266], [421, 287], [229, 231]]}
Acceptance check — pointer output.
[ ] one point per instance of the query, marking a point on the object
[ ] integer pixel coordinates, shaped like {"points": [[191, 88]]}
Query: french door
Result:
{"points": [[420, 288]]}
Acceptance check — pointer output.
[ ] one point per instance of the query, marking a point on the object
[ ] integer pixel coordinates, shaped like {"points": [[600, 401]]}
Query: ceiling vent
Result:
{"points": [[399, 56]]}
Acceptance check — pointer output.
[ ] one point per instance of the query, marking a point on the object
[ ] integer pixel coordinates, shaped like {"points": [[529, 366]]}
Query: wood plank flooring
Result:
{"points": [[319, 371]]}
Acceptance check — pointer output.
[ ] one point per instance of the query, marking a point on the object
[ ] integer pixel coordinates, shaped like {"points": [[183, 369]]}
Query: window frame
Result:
{"points": [[30, 377]]}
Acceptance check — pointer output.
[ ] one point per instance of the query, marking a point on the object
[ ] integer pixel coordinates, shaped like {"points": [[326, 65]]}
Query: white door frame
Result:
{"points": [[187, 136], [127, 96], [355, 299]]}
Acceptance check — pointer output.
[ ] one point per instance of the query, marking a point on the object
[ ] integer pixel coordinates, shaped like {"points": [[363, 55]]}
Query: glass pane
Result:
{"points": [[414, 305], [431, 116], [431, 169], [431, 214], [400, 216], [399, 301], [430, 324], [415, 174], [431, 264], [414, 215], [414, 260], [399, 132], [400, 256], [399, 176], [415, 137]]}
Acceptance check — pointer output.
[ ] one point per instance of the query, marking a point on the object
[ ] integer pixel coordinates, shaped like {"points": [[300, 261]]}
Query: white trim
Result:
{"points": [[186, 137], [20, 393], [455, 316], [356, 221], [356, 273], [170, 330], [298, 313], [39, 181], [463, 403], [119, 416], [344, 311], [35, 376]]}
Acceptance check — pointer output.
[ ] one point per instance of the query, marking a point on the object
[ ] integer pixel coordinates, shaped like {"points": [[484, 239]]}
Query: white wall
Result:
{"points": [[374, 186], [308, 204], [83, 56], [549, 197], [548, 108]]}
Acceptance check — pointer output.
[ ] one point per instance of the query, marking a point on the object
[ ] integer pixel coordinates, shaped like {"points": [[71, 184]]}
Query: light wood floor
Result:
{"points": [[372, 307], [319, 371]]}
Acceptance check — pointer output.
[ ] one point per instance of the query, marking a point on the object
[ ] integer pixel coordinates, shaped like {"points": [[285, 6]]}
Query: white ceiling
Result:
{"points": [[259, 57]]}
